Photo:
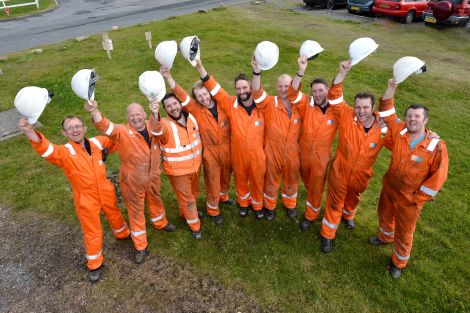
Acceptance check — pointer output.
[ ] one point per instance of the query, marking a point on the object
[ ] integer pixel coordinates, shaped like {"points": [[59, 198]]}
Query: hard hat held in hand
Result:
{"points": [[406, 66], [83, 84], [266, 55], [190, 49], [31, 101], [361, 48], [152, 85], [310, 49], [165, 53]]}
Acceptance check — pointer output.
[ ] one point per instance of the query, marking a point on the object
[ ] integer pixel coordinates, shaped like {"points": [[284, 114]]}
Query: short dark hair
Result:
{"points": [[70, 117], [242, 77], [167, 96], [319, 80], [415, 106], [365, 95]]}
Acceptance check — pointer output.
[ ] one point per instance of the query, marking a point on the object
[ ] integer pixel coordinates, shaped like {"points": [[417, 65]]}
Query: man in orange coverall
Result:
{"points": [[281, 143], [180, 141], [417, 171], [247, 141], [319, 126], [81, 159], [360, 139], [140, 171], [215, 134]]}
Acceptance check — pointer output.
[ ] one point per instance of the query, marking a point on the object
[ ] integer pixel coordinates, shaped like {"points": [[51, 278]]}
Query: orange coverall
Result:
{"points": [[181, 149], [92, 191], [281, 149], [247, 142], [351, 169], [139, 177], [215, 135], [413, 177], [316, 140]]}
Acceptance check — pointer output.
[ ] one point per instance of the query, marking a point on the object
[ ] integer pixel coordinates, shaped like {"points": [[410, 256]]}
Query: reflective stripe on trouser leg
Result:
{"points": [[134, 201], [212, 210], [155, 204], [385, 212], [311, 212], [183, 187], [113, 213], [270, 201]]}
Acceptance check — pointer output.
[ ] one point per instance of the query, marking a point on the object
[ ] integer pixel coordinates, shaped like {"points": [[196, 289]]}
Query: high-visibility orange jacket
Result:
{"points": [[281, 146], [92, 191], [215, 135], [351, 169], [415, 175], [247, 146], [181, 148], [316, 140], [139, 177]]}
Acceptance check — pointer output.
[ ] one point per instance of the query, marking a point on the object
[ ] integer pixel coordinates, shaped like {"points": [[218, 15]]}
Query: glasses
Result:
{"points": [[72, 128]]}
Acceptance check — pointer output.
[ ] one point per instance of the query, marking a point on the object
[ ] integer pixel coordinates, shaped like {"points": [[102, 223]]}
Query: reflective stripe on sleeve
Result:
{"points": [[186, 101], [428, 191], [332, 226], [93, 257], [336, 101], [49, 150], [263, 96], [157, 134], [110, 129], [299, 97], [156, 219], [312, 207], [400, 257], [387, 113], [215, 90]]}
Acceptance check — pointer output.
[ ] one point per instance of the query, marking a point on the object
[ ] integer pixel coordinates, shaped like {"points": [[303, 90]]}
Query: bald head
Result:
{"points": [[136, 116], [283, 82]]}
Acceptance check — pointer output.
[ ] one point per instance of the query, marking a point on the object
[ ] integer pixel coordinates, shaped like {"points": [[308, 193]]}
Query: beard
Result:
{"points": [[244, 96], [176, 118]]}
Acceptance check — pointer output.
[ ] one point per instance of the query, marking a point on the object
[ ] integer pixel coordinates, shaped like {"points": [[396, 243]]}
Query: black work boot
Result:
{"points": [[269, 214], [259, 214], [394, 270], [197, 234], [169, 228], [350, 224], [326, 245], [229, 202], [95, 275], [375, 241], [218, 219], [291, 213], [305, 224], [243, 211], [139, 255]]}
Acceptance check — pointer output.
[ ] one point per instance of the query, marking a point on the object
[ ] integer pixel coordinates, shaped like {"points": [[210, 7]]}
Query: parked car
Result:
{"points": [[447, 12], [405, 10], [360, 6], [327, 4]]}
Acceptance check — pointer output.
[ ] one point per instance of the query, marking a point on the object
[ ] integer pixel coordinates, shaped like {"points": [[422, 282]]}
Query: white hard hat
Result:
{"points": [[406, 66], [83, 84], [361, 48], [190, 49], [310, 49], [31, 101], [165, 53], [266, 55], [152, 85]]}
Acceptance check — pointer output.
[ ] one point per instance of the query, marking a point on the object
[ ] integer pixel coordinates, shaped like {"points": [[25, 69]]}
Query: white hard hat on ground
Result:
{"points": [[266, 55], [30, 102], [83, 84], [190, 49], [165, 53], [310, 49], [152, 85], [406, 66], [361, 48]]}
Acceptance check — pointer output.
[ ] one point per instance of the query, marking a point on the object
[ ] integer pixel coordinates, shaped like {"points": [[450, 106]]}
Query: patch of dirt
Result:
{"points": [[42, 269]]}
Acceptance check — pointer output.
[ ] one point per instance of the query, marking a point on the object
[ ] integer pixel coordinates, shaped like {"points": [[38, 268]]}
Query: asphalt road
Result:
{"points": [[75, 18]]}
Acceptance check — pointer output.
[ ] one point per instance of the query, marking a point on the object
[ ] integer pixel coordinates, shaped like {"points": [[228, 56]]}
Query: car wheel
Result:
{"points": [[351, 11], [410, 16], [330, 4]]}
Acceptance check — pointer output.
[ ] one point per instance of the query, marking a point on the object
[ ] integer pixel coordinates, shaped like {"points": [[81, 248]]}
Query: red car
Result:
{"points": [[405, 10], [448, 12]]}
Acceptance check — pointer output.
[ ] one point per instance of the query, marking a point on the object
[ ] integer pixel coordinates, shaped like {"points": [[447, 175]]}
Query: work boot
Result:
{"points": [[291, 213], [139, 255], [94, 275], [243, 211], [197, 234], [394, 270], [326, 245], [350, 224], [259, 214], [375, 241], [229, 202], [269, 214], [169, 228], [305, 224], [218, 219]]}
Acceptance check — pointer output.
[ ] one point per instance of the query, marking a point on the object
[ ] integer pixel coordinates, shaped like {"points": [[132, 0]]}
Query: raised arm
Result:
{"points": [[256, 81], [302, 63], [344, 68], [101, 123]]}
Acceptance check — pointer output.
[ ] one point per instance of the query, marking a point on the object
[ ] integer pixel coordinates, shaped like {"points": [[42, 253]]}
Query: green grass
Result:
{"points": [[275, 262], [44, 6]]}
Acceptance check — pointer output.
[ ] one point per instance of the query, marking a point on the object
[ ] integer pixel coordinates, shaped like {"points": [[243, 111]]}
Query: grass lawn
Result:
{"points": [[275, 262], [44, 6]]}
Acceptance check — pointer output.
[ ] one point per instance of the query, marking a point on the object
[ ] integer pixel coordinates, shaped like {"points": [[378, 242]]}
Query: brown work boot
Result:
{"points": [[139, 255]]}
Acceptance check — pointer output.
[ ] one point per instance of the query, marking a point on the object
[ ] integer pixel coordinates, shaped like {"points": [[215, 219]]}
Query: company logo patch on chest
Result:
{"points": [[258, 123], [330, 122], [373, 145], [296, 121], [416, 158], [100, 162], [224, 123]]}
